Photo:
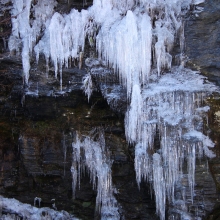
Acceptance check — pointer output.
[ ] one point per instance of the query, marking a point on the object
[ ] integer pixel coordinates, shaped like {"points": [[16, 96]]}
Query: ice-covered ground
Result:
{"points": [[12, 209]]}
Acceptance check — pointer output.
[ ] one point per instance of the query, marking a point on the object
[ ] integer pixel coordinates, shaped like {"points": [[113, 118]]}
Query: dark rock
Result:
{"points": [[202, 40]]}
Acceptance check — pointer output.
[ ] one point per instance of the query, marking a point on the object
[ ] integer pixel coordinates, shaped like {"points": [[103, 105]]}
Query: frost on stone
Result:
{"points": [[90, 153], [4, 6]]}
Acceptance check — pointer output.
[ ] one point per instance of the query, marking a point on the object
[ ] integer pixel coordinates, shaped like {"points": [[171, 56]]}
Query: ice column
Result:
{"points": [[25, 31], [172, 107], [159, 186]]}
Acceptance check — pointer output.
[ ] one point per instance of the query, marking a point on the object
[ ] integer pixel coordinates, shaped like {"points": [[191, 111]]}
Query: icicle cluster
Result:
{"points": [[25, 31], [92, 155], [63, 39], [172, 107], [131, 33], [136, 32], [4, 6]]}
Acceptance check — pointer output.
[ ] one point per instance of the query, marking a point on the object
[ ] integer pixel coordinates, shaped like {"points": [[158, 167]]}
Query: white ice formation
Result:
{"points": [[87, 85], [26, 31], [18, 210], [91, 154], [135, 38], [146, 31]]}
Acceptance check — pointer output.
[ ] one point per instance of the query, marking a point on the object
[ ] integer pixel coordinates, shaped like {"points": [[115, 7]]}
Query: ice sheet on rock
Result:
{"points": [[180, 80], [27, 211], [90, 153]]}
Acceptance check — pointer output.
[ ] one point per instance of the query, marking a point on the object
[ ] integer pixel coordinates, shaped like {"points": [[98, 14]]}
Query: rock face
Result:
{"points": [[202, 40]]}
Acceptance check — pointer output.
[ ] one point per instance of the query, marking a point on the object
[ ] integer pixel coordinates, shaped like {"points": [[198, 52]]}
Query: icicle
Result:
{"points": [[87, 85], [25, 35], [159, 186], [170, 106], [99, 167]]}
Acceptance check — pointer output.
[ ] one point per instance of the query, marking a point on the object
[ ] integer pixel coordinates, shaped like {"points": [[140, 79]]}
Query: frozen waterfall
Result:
{"points": [[172, 106], [135, 38]]}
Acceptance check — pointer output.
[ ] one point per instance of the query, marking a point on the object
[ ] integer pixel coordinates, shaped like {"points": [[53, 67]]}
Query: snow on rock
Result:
{"points": [[26, 211]]}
